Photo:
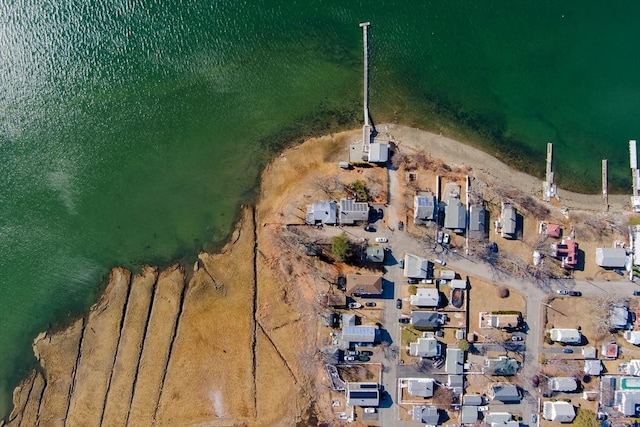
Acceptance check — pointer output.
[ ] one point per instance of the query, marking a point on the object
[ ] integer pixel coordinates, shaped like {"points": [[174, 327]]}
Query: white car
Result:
{"points": [[446, 238], [439, 261], [382, 239], [427, 281]]}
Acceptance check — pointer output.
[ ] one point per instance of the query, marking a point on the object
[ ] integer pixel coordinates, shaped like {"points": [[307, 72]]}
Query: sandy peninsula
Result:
{"points": [[235, 338]]}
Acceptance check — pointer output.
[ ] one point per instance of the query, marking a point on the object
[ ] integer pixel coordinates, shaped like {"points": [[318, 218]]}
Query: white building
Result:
{"points": [[415, 267], [427, 346], [561, 412], [426, 297], [455, 361], [358, 334], [567, 336], [632, 337], [424, 207], [633, 367], [611, 257], [563, 384], [593, 367], [420, 387]]}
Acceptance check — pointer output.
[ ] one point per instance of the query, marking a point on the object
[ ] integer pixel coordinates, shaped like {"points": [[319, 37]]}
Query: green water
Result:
{"points": [[130, 131]]}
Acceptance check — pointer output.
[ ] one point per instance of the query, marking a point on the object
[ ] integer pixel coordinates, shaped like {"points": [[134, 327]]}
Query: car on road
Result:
{"points": [[439, 261], [562, 292], [440, 237], [534, 418], [381, 240], [403, 320], [400, 225], [636, 293], [412, 281], [355, 305], [370, 229], [370, 304], [401, 263], [516, 338], [446, 239], [567, 350], [398, 303], [349, 358], [574, 293]]}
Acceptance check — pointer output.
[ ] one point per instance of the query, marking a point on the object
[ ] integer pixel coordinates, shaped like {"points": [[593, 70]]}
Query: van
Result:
{"points": [[401, 263]]}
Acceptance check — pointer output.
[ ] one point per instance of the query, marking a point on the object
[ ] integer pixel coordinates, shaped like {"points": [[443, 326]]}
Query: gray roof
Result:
{"points": [[455, 361], [455, 215], [469, 415], [563, 384], [325, 212], [352, 211], [352, 334], [508, 220], [426, 414], [415, 266], [477, 218], [472, 399], [363, 394], [426, 318], [424, 206], [502, 366], [374, 253], [505, 393], [611, 257], [619, 317]]}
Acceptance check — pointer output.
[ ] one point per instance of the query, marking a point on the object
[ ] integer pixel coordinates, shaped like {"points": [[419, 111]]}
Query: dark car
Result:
{"points": [[493, 247], [567, 350], [413, 281], [400, 225], [364, 358], [404, 320], [535, 381], [636, 293], [370, 229], [575, 293], [516, 338], [380, 213], [398, 303], [370, 304], [366, 353]]}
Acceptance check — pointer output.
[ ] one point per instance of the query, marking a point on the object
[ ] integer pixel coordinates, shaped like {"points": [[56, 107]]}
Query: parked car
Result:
{"points": [[412, 281], [352, 353], [398, 303], [370, 304], [349, 358], [370, 229], [534, 418], [443, 281], [380, 213], [366, 353], [575, 293], [403, 320], [382, 239], [440, 237], [369, 410], [562, 292], [364, 358], [355, 305], [535, 381], [636, 293], [439, 261], [483, 408], [446, 239], [427, 281], [401, 263], [400, 225], [567, 350], [516, 338]]}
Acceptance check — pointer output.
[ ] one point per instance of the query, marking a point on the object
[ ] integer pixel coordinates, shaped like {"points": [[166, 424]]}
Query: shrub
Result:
{"points": [[341, 247], [413, 290]]}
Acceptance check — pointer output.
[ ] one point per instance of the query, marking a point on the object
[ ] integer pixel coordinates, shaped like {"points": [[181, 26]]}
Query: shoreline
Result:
{"points": [[275, 311]]}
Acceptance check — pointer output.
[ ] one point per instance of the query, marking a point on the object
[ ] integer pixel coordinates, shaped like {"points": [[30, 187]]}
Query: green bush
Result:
{"points": [[341, 247]]}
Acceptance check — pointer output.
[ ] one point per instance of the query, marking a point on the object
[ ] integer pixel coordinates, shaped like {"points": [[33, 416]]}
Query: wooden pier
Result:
{"points": [[605, 183], [548, 187]]}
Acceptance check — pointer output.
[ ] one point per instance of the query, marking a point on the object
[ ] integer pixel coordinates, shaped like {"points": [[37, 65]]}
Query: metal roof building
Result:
{"points": [[472, 399], [425, 297], [477, 219], [358, 334], [508, 218], [455, 216], [351, 211], [363, 394], [322, 212], [378, 152], [611, 257]]}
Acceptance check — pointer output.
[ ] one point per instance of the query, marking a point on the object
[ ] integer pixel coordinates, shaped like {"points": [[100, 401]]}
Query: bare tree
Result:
{"points": [[442, 397]]}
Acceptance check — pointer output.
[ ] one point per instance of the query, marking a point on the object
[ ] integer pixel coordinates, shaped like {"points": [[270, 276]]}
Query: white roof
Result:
{"points": [[425, 347], [626, 400], [562, 412], [415, 266], [611, 257], [497, 417], [633, 367], [378, 152], [358, 334], [459, 284], [508, 219], [563, 384], [566, 335], [632, 337], [455, 215], [593, 367], [426, 297]]}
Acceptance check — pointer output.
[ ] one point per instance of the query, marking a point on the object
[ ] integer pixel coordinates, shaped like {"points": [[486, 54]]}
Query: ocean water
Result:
{"points": [[131, 131]]}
